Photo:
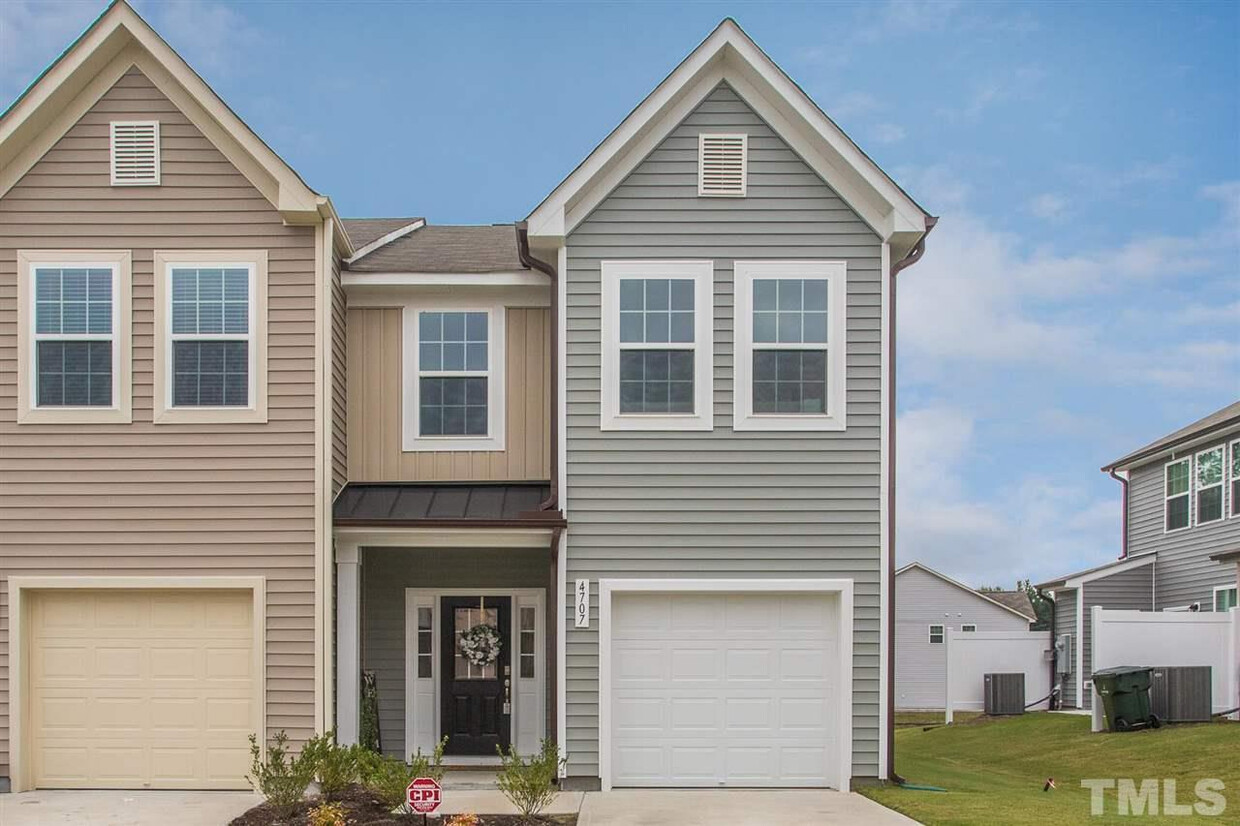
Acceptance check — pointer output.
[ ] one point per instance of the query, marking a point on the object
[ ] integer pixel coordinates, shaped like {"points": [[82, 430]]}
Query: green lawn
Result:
{"points": [[994, 770]]}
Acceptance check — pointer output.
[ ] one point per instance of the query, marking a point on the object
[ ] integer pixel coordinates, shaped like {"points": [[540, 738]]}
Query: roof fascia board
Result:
{"points": [[1110, 570], [341, 242], [964, 587], [517, 278], [1222, 430], [384, 240]]}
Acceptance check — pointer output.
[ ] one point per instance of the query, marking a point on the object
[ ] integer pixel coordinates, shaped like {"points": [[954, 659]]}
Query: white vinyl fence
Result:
{"points": [[1162, 638], [972, 655]]}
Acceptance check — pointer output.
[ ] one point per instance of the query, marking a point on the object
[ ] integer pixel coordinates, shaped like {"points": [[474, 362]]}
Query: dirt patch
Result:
{"points": [[362, 808]]}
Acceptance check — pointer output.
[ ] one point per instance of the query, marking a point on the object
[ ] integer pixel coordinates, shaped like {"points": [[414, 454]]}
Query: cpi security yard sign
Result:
{"points": [[423, 795]]}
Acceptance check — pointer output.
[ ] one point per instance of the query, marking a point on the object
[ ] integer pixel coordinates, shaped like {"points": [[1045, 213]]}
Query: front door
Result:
{"points": [[477, 679]]}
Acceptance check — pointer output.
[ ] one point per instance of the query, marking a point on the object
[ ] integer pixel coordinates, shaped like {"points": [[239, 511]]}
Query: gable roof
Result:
{"points": [[1018, 601], [1079, 578], [429, 248], [1216, 422], [116, 41], [728, 54], [1031, 616], [366, 231]]}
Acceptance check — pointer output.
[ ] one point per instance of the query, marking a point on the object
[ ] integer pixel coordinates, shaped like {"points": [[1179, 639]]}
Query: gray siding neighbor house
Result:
{"points": [[927, 604]]}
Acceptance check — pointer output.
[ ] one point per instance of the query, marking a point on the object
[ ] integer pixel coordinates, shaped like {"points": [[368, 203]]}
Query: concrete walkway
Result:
{"points": [[124, 808]]}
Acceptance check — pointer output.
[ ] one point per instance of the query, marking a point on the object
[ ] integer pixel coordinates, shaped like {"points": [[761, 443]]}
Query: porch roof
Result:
{"points": [[437, 505]]}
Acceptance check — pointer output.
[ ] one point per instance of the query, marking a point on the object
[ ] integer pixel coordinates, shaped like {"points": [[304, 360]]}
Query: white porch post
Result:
{"points": [[348, 643]]}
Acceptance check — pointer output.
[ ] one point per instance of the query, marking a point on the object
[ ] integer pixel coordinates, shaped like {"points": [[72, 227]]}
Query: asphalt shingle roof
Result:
{"points": [[364, 230], [443, 249], [1216, 420]]}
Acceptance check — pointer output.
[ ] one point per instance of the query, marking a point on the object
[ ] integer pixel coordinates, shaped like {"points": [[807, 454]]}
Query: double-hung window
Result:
{"points": [[74, 337], [210, 337], [790, 345], [1224, 597], [454, 390], [1235, 478], [656, 345], [1177, 476], [936, 634], [1208, 476]]}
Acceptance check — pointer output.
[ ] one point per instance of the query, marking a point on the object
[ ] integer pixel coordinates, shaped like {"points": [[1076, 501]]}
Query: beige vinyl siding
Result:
{"points": [[140, 499], [339, 389], [723, 504], [374, 414]]}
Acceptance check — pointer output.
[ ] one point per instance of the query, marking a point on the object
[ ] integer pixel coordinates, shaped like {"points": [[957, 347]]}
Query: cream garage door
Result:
{"points": [[712, 689], [141, 689]]}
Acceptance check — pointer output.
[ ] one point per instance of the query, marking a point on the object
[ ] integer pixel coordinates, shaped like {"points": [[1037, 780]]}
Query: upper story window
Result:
{"points": [[73, 340], [210, 333], [657, 349], [968, 628], [1208, 469], [453, 388], [1176, 480], [135, 153], [722, 165], [790, 345], [1235, 478]]}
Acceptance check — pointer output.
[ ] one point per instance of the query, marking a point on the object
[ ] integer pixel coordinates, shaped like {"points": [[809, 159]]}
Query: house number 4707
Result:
{"points": [[582, 611]]}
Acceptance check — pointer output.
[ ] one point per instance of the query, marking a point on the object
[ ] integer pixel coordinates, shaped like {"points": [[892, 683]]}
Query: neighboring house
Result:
{"points": [[636, 448], [929, 603], [1181, 510]]}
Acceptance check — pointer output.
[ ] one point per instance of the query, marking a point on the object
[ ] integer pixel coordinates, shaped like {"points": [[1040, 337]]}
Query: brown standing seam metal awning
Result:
{"points": [[445, 505]]}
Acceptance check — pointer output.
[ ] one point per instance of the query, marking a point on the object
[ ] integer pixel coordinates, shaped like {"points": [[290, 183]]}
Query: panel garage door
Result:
{"points": [[141, 689], [723, 689]]}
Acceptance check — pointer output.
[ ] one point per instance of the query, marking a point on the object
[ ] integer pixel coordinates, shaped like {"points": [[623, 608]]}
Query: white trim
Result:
{"points": [[416, 596], [1233, 473], [497, 353], [155, 171], [835, 273], [1219, 588], [930, 635], [348, 643], [843, 588], [886, 553], [119, 262], [702, 274], [703, 191], [964, 587], [405, 537], [1188, 493], [517, 278], [1221, 484], [18, 609], [1117, 567], [968, 628], [561, 599], [384, 240], [1080, 646]]}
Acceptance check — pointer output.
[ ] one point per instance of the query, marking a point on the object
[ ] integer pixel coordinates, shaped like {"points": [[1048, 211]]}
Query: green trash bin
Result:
{"points": [[1125, 693]]}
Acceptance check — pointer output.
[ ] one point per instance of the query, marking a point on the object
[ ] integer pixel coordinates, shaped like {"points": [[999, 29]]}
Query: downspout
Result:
{"points": [[914, 255], [552, 501], [1123, 531]]}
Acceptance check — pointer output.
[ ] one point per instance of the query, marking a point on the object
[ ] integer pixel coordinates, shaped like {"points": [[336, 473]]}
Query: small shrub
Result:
{"points": [[388, 777], [463, 819], [335, 766], [328, 814], [279, 778], [529, 786], [429, 766]]}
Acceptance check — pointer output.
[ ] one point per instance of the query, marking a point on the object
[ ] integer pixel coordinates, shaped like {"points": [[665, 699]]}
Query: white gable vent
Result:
{"points": [[721, 164], [135, 153]]}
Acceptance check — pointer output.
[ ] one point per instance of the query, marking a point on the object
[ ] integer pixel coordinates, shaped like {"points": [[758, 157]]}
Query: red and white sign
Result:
{"points": [[423, 795]]}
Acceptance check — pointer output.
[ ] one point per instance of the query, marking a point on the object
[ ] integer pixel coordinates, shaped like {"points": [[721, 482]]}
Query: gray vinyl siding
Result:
{"points": [[922, 600], [723, 504], [1131, 590], [1186, 574], [387, 572], [1065, 623]]}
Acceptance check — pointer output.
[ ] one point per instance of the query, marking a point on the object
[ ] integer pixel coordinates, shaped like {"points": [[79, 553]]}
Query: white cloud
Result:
{"points": [[33, 34], [1048, 206], [853, 105], [888, 133], [209, 35]]}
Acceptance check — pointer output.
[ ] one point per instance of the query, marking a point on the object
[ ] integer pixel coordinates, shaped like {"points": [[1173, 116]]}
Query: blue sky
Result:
{"points": [[1080, 297]]}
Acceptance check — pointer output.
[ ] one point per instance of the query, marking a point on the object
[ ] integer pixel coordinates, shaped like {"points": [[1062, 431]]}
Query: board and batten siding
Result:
{"points": [[375, 374], [1131, 590], [139, 499], [723, 504], [922, 600], [1186, 574], [1065, 623]]}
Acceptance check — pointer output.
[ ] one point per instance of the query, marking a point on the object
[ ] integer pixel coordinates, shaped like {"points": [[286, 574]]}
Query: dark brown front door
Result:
{"points": [[475, 715]]}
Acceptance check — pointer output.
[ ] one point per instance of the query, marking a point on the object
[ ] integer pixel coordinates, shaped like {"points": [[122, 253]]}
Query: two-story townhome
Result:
{"points": [[1180, 531], [619, 475]]}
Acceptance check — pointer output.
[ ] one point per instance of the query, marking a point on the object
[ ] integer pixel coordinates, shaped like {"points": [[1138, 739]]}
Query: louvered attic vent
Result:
{"points": [[135, 153], [721, 165]]}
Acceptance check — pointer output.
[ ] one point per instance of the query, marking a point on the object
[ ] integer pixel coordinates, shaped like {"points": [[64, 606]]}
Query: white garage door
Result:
{"points": [[724, 689], [141, 689]]}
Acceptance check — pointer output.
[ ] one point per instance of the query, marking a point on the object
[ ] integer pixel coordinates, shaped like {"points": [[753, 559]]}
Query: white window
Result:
{"points": [[73, 341], [936, 635], [657, 349], [454, 387], [135, 153], [210, 333], [968, 627], [1235, 478], [1208, 470], [1176, 480], [1225, 597], [790, 345], [722, 162]]}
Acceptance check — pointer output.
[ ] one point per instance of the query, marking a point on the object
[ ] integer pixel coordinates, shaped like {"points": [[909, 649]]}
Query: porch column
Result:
{"points": [[348, 643]]}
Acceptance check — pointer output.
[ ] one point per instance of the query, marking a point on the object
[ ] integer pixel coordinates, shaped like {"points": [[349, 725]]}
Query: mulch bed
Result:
{"points": [[363, 809]]}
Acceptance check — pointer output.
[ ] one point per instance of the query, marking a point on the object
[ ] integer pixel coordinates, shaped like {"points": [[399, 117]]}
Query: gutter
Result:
{"points": [[1123, 530], [552, 501], [914, 255]]}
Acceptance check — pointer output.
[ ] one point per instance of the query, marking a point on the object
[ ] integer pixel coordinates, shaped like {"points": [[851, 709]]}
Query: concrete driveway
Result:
{"points": [[123, 808]]}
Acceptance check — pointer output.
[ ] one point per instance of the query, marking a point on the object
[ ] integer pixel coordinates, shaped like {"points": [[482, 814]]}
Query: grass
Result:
{"points": [[905, 719], [994, 770]]}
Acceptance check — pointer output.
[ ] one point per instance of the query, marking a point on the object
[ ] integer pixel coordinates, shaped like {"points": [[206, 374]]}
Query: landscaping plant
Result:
{"points": [[335, 766], [328, 814], [279, 778], [529, 786], [463, 819], [388, 777], [368, 735]]}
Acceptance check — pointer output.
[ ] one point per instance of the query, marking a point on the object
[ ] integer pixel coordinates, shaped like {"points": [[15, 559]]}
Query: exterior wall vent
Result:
{"points": [[135, 153], [722, 162]]}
